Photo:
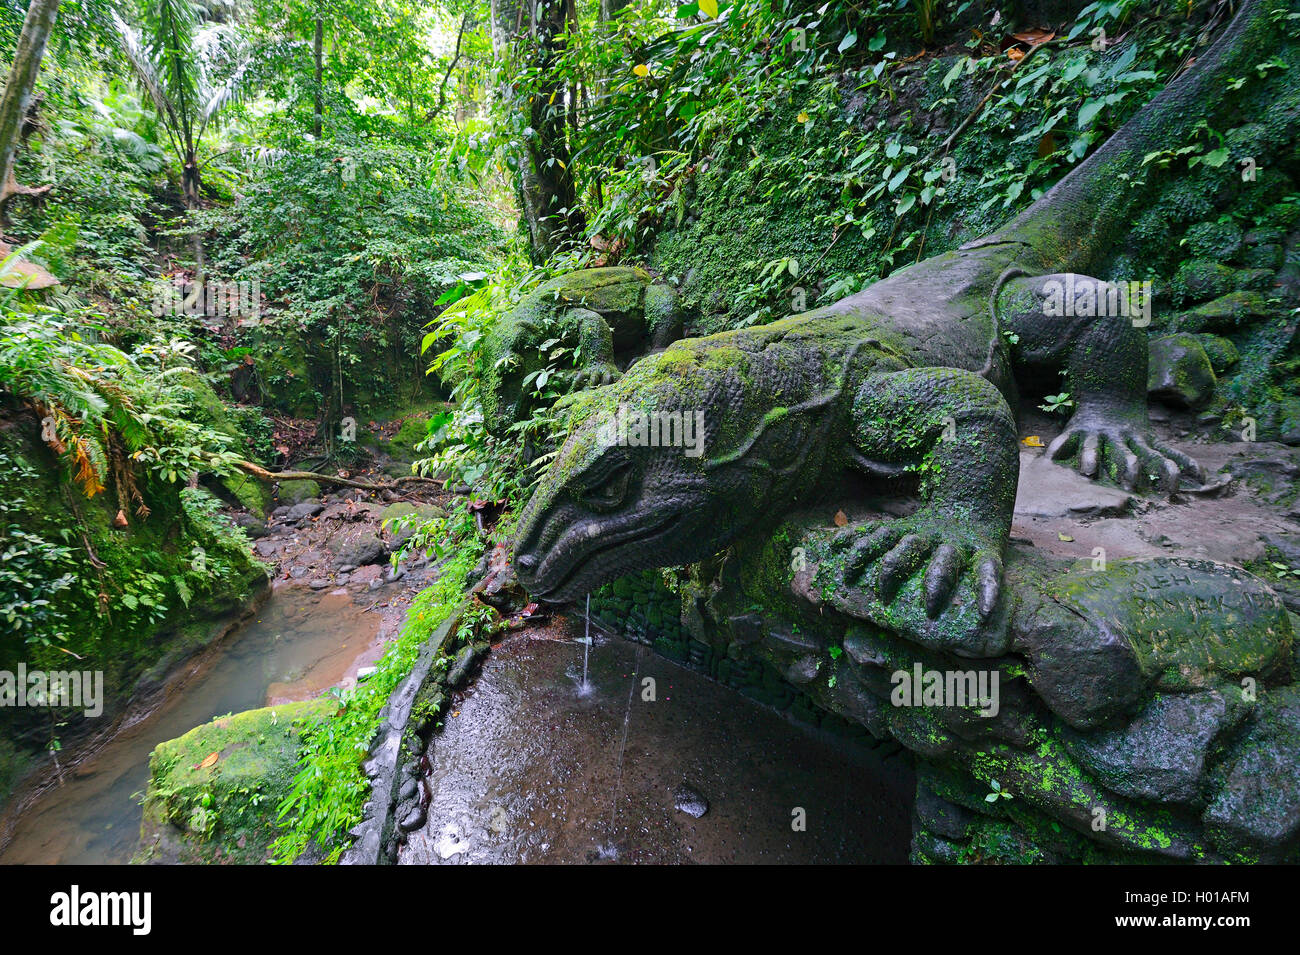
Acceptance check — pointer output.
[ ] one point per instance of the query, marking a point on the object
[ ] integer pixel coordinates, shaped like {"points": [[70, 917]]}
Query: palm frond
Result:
{"points": [[145, 70]]}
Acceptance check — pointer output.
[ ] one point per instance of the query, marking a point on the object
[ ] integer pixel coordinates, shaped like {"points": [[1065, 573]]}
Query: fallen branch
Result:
{"points": [[270, 477]]}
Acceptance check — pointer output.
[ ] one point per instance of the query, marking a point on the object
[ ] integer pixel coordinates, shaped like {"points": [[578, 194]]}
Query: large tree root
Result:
{"points": [[270, 477]]}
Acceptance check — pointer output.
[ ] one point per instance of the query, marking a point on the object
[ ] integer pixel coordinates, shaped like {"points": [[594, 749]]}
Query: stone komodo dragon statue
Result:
{"points": [[913, 378], [605, 313]]}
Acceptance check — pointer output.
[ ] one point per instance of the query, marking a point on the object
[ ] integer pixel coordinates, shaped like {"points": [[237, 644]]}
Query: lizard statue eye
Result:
{"points": [[611, 491]]}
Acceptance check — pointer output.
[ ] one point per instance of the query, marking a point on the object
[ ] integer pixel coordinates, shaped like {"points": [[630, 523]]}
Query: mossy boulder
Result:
{"points": [[401, 446], [204, 809], [251, 494], [1222, 353], [295, 492], [1180, 372], [1254, 812], [1264, 249], [1162, 754], [1199, 279], [401, 520], [283, 368], [1227, 312]]}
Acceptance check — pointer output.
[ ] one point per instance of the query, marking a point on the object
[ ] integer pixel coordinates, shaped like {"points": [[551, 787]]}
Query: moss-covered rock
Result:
{"points": [[283, 368], [1179, 371], [213, 793], [1227, 312], [1222, 353], [252, 495], [1198, 280], [295, 492], [401, 520], [1254, 812], [401, 446]]}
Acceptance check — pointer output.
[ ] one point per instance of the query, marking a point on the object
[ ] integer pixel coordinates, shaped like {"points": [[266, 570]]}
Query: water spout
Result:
{"points": [[585, 688]]}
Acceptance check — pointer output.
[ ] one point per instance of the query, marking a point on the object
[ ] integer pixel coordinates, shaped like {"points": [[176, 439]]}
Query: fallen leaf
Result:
{"points": [[1033, 441], [1034, 37], [1015, 54], [841, 518], [208, 761], [1065, 537]]}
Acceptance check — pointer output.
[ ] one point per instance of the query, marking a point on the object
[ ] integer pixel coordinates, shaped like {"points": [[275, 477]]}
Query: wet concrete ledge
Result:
{"points": [[386, 769]]}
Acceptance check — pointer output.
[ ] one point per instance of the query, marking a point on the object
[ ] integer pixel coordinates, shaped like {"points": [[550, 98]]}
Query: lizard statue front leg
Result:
{"points": [[935, 575]]}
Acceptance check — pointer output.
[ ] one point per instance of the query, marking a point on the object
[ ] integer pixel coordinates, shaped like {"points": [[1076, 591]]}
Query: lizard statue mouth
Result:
{"points": [[580, 558]]}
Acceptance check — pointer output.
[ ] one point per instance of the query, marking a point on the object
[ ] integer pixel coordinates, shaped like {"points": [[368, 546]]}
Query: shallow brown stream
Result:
{"points": [[298, 645]]}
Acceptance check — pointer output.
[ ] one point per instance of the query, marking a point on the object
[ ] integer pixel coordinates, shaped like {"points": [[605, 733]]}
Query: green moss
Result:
{"points": [[402, 445], [295, 492], [251, 494], [202, 810]]}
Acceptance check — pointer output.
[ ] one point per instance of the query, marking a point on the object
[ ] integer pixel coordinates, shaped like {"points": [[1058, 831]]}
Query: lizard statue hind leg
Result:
{"points": [[936, 575], [1094, 331]]}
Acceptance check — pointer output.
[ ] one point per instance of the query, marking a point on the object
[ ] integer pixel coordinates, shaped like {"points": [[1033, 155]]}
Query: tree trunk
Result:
{"points": [[37, 26], [191, 190], [548, 196], [318, 58], [609, 9]]}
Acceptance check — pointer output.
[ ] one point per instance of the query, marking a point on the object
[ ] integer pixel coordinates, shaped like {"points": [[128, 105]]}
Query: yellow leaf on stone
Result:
{"points": [[1064, 537], [709, 7], [1033, 441], [641, 70], [208, 761]]}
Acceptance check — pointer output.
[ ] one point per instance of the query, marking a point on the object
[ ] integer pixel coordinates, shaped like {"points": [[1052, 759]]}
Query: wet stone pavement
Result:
{"points": [[529, 768]]}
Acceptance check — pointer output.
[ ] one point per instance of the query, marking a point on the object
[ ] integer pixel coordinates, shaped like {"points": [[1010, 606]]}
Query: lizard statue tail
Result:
{"points": [[1076, 222]]}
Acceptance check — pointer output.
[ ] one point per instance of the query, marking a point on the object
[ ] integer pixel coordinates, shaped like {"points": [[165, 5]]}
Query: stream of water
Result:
{"points": [[533, 764], [298, 645]]}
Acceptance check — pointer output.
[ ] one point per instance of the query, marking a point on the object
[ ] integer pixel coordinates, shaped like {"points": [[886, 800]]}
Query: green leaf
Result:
{"points": [[1088, 112], [850, 40], [1217, 158], [951, 76]]}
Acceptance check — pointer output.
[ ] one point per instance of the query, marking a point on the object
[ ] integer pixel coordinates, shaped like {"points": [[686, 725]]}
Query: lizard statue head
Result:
{"points": [[636, 484]]}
